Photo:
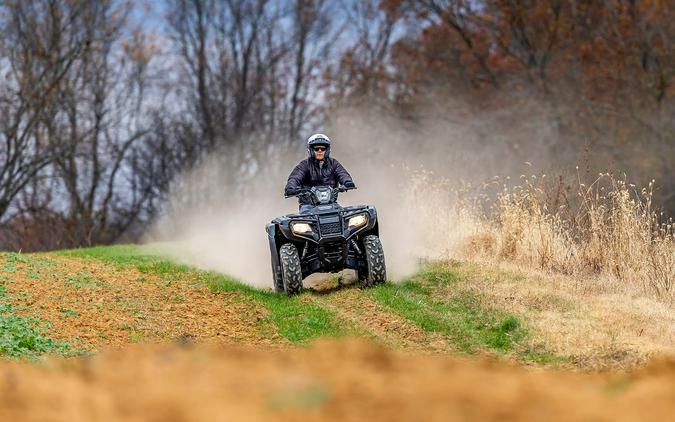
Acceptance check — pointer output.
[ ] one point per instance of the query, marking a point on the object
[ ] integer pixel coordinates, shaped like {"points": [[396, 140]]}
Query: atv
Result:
{"points": [[325, 238]]}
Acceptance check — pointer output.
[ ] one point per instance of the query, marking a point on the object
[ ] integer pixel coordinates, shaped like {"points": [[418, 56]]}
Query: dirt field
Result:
{"points": [[334, 380], [167, 348], [95, 305]]}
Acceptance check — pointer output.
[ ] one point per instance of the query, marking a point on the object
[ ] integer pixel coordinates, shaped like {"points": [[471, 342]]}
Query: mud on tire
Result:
{"points": [[377, 272], [291, 272]]}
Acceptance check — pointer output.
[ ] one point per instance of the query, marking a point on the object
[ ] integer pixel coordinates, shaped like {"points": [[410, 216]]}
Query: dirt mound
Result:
{"points": [[336, 380]]}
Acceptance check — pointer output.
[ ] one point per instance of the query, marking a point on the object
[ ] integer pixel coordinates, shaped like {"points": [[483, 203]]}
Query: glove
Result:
{"points": [[291, 192], [349, 184]]}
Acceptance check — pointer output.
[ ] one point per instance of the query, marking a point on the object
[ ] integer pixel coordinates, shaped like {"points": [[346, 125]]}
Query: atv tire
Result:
{"points": [[278, 282], [377, 272], [291, 272]]}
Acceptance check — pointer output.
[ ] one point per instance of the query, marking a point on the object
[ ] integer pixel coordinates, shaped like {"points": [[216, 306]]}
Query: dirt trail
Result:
{"points": [[94, 305], [351, 305], [336, 380]]}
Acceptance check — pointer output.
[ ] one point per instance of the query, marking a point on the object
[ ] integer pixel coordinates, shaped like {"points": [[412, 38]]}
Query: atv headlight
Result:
{"points": [[301, 228], [357, 221], [323, 196]]}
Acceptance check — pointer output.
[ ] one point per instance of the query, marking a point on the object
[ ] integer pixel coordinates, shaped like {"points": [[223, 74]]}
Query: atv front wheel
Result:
{"points": [[291, 272], [278, 282], [377, 272]]}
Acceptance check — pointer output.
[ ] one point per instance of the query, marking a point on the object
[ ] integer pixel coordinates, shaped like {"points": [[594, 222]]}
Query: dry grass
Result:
{"points": [[611, 229], [596, 329], [606, 231], [595, 264]]}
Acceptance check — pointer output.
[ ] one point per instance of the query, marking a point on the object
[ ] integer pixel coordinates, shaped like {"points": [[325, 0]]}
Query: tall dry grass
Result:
{"points": [[607, 230]]}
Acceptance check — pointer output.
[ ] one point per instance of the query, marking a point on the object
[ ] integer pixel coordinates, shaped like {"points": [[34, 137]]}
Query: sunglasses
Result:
{"points": [[319, 149]]}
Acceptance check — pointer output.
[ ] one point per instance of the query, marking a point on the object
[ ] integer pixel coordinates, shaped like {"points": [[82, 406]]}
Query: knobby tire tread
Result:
{"points": [[291, 271], [377, 270]]}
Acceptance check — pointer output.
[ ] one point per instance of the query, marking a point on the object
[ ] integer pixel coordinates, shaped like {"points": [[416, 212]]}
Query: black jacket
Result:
{"points": [[310, 173]]}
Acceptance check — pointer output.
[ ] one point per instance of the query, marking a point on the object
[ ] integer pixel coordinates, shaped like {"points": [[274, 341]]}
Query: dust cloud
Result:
{"points": [[406, 173], [214, 226]]}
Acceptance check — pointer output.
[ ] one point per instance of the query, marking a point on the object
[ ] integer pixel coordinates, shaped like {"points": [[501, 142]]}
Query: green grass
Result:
{"points": [[435, 299], [22, 336], [460, 316], [33, 262], [294, 320]]}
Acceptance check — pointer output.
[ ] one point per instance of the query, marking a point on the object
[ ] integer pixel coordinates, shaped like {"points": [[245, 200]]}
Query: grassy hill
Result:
{"points": [[81, 301]]}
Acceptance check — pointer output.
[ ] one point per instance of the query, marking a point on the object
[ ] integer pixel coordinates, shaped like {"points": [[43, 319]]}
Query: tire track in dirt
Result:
{"points": [[92, 304], [350, 304]]}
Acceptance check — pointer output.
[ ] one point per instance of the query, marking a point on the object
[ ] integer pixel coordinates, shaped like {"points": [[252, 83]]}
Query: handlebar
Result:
{"points": [[301, 191], [297, 192]]}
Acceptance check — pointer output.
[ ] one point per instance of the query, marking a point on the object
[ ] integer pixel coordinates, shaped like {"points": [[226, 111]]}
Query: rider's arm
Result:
{"points": [[343, 176], [295, 178]]}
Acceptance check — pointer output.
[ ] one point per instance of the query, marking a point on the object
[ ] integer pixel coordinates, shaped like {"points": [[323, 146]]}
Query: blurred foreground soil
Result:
{"points": [[331, 380]]}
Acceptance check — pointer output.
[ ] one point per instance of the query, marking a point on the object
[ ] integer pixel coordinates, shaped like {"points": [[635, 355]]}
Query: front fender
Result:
{"points": [[370, 228], [274, 250]]}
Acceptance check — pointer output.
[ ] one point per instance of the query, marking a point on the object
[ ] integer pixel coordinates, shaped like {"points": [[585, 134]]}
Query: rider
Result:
{"points": [[317, 170]]}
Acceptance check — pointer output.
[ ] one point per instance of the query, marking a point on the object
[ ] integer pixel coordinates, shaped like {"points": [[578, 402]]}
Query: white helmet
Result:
{"points": [[318, 139]]}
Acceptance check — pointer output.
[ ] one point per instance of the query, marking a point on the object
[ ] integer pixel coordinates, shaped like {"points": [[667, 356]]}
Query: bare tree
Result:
{"points": [[251, 75], [363, 74], [102, 122], [86, 123], [36, 53]]}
